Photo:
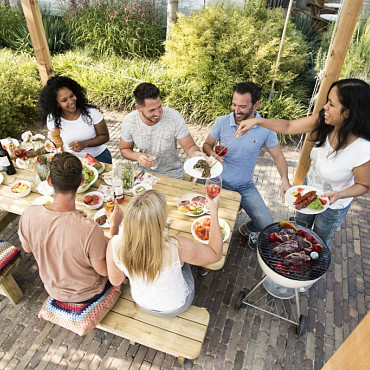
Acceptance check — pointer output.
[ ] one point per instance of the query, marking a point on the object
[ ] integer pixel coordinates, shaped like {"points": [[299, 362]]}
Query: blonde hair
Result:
{"points": [[141, 243]]}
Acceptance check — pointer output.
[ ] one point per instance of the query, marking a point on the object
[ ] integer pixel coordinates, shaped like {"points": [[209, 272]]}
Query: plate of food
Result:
{"points": [[101, 218], [203, 167], [89, 160], [20, 188], [44, 200], [90, 175], [306, 199], [200, 229], [93, 200], [44, 188], [192, 204]]}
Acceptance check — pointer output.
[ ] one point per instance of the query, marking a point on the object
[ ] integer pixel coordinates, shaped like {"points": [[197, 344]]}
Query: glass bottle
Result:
{"points": [[6, 162], [117, 184], [109, 198], [127, 175]]}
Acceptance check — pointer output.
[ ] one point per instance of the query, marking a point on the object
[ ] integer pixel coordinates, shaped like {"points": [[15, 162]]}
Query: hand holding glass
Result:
{"points": [[213, 186]]}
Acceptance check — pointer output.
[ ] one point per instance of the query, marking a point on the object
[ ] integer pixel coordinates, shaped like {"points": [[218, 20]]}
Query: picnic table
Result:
{"points": [[172, 189]]}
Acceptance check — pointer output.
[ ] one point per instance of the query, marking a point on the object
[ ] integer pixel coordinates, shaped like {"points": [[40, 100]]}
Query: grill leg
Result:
{"points": [[297, 303], [254, 288]]}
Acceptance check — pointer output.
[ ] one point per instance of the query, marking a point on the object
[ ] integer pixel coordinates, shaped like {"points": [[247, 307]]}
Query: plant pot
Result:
{"points": [[42, 170]]}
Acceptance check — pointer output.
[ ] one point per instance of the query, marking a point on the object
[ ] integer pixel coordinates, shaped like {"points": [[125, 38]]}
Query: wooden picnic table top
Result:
{"points": [[172, 189]]}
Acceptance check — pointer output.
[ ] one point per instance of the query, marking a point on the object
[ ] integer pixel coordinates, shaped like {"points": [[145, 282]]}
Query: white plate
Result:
{"points": [[44, 188], [143, 185], [42, 200], [1, 178], [190, 196], [222, 222], [290, 199], [22, 163], [6, 142], [101, 212], [102, 169], [23, 194], [96, 175], [96, 206], [216, 170]]}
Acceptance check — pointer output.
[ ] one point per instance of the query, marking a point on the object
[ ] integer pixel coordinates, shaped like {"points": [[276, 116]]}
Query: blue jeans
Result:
{"points": [[105, 157], [325, 223], [189, 280], [253, 204]]}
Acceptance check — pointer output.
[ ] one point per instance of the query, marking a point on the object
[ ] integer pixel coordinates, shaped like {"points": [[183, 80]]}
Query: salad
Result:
{"points": [[88, 176]]}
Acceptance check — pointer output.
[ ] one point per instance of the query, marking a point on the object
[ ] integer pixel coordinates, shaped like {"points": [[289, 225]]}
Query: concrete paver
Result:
{"points": [[247, 339]]}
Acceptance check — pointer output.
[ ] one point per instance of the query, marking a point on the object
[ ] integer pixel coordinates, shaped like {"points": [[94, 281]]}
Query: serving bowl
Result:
{"points": [[84, 188], [20, 188], [91, 194]]}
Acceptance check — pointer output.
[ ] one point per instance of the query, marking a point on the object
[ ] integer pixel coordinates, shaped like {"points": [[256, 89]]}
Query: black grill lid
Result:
{"points": [[311, 270]]}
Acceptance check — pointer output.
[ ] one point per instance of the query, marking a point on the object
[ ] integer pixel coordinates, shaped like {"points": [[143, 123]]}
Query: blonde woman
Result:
{"points": [[157, 265]]}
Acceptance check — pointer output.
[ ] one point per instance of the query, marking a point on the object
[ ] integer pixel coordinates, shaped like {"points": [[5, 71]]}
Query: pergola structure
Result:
{"points": [[336, 55]]}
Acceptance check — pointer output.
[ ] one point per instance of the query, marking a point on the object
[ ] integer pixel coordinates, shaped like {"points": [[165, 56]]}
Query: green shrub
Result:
{"points": [[116, 28], [220, 45], [20, 83], [14, 33]]}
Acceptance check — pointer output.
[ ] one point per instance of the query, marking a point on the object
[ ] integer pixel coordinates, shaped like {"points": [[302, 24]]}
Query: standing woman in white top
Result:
{"points": [[340, 159], [63, 104], [157, 265]]}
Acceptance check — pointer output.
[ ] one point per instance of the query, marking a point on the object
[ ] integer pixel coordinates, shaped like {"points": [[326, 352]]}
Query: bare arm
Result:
{"points": [[283, 126], [208, 148], [189, 146], [282, 167], [115, 275], [102, 136], [200, 254], [100, 267], [360, 187], [126, 149]]}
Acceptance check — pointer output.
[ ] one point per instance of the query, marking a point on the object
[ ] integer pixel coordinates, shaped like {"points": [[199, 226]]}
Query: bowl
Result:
{"points": [[84, 188], [141, 188], [91, 194], [223, 224], [22, 187]]}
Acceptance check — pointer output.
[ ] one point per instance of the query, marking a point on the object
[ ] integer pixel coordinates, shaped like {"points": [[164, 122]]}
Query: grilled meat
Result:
{"points": [[304, 244], [285, 234], [296, 259], [286, 248], [305, 200], [204, 166]]}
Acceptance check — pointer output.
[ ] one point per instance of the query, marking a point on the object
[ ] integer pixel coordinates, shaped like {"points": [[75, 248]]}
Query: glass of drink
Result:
{"points": [[152, 158], [213, 186], [220, 150], [109, 199], [21, 153]]}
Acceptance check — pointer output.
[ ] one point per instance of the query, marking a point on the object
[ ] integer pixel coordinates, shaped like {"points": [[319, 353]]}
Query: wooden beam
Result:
{"points": [[342, 39], [32, 14]]}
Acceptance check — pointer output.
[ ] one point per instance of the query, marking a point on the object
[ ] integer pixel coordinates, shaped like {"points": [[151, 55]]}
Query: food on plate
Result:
{"points": [[88, 176], [101, 220], [310, 200], [140, 189], [22, 163], [19, 187], [204, 166], [203, 226], [195, 205], [91, 200], [294, 248], [91, 161], [211, 161]]}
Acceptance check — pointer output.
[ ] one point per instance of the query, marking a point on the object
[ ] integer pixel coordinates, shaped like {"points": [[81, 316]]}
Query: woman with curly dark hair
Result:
{"points": [[63, 105], [340, 159]]}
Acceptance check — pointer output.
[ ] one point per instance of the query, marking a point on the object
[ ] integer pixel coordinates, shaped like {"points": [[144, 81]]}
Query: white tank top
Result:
{"points": [[165, 293]]}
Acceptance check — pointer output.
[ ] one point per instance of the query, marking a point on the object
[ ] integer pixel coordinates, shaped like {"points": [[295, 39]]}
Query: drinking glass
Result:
{"points": [[220, 149], [213, 186], [152, 158], [109, 198]]}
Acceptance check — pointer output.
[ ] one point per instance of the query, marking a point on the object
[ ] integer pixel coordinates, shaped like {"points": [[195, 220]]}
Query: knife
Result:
{"points": [[139, 176]]}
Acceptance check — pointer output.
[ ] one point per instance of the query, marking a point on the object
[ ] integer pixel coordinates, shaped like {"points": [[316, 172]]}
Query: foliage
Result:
{"points": [[109, 27], [357, 61], [14, 32], [242, 44], [19, 93]]}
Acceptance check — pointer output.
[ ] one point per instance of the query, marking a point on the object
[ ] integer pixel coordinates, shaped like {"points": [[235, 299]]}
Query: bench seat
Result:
{"points": [[8, 286], [181, 336]]}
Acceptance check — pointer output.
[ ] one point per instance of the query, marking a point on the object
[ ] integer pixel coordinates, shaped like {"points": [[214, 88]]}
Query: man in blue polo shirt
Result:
{"points": [[241, 157]]}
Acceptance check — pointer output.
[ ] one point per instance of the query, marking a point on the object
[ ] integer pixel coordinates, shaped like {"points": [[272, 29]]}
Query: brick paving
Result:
{"points": [[244, 339]]}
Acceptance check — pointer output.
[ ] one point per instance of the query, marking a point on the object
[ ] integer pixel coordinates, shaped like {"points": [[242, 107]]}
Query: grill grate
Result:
{"points": [[311, 270]]}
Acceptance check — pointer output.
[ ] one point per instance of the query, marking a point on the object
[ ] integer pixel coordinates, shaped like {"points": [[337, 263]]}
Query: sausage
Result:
{"points": [[306, 201], [304, 197]]}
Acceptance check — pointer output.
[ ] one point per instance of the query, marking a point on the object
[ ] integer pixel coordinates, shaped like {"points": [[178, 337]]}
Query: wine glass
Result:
{"points": [[220, 149], [213, 186]]}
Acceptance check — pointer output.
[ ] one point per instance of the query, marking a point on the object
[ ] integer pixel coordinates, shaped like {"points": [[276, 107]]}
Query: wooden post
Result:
{"points": [[32, 14], [342, 39]]}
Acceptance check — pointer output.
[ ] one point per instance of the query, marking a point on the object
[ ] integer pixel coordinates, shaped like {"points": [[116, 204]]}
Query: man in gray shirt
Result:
{"points": [[154, 130]]}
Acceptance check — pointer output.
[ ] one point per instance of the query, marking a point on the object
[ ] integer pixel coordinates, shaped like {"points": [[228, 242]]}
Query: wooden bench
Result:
{"points": [[181, 336], [8, 286]]}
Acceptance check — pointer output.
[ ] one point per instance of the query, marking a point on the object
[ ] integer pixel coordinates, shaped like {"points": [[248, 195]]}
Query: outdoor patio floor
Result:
{"points": [[244, 339]]}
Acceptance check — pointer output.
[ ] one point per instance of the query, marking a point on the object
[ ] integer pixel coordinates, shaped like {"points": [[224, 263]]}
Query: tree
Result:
{"points": [[172, 9]]}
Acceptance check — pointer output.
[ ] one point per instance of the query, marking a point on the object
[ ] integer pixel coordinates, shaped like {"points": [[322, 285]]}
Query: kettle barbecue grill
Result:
{"points": [[282, 280]]}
